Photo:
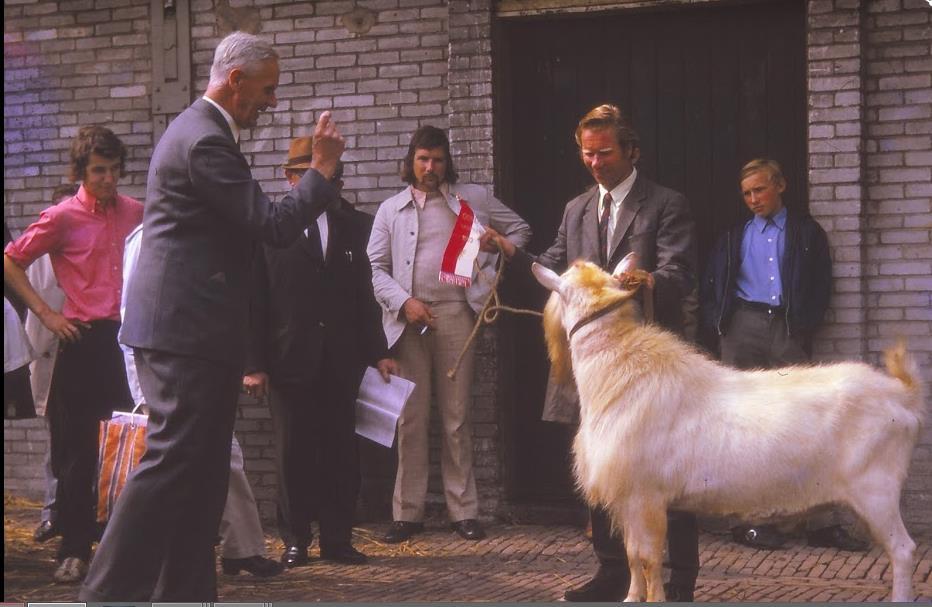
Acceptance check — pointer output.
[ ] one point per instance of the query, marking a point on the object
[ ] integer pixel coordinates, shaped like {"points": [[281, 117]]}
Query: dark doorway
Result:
{"points": [[708, 88]]}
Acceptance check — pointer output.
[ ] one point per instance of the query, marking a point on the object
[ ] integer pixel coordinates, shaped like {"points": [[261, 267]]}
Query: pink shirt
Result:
{"points": [[85, 244]]}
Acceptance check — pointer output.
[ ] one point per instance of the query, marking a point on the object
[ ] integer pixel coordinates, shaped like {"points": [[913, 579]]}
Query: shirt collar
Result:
{"points": [[87, 200], [420, 197], [620, 191], [226, 116], [779, 220]]}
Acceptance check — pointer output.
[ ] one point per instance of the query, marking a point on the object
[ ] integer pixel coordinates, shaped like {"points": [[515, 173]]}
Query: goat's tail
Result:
{"points": [[903, 367]]}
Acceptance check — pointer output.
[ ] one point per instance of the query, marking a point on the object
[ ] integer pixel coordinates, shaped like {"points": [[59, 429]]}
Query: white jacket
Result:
{"points": [[393, 244], [44, 342]]}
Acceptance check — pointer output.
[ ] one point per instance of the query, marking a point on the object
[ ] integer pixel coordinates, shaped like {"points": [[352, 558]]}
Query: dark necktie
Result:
{"points": [[313, 237], [603, 227]]}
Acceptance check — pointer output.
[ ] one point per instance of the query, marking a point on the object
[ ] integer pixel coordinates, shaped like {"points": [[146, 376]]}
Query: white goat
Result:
{"points": [[664, 426]]}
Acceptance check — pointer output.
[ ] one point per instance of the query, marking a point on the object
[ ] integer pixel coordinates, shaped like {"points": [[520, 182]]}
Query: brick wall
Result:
{"points": [[898, 202], [67, 64], [836, 192], [870, 168], [71, 62]]}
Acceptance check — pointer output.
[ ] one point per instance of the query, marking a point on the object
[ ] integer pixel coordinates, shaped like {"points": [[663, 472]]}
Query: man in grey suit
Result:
{"points": [[625, 212], [186, 314]]}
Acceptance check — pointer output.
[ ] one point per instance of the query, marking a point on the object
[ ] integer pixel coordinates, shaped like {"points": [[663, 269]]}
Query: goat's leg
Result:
{"points": [[652, 560], [879, 506], [645, 534], [636, 590], [637, 587]]}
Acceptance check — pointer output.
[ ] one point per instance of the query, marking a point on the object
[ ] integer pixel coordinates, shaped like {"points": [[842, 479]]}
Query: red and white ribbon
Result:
{"points": [[462, 249]]}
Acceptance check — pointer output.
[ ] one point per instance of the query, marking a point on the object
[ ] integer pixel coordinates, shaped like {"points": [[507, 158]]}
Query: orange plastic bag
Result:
{"points": [[122, 444]]}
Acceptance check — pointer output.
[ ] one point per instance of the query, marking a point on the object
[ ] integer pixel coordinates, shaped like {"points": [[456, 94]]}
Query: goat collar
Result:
{"points": [[585, 320]]}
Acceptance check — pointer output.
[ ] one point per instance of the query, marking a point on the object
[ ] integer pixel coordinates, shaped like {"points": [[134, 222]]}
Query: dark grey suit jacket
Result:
{"points": [[203, 217], [655, 222], [305, 307]]}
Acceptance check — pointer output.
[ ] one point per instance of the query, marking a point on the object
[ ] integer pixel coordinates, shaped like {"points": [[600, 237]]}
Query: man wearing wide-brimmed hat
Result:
{"points": [[315, 326], [299, 157]]}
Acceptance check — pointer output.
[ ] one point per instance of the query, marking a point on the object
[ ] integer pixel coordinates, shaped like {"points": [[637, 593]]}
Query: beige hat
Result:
{"points": [[299, 153]]}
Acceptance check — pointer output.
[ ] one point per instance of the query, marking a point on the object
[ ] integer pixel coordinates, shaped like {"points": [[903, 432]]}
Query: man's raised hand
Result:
{"points": [[328, 146]]}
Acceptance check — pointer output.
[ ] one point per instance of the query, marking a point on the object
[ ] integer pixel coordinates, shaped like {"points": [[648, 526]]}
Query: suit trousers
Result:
{"points": [[682, 546], [88, 384], [240, 528], [757, 339], [317, 454], [159, 543], [425, 360]]}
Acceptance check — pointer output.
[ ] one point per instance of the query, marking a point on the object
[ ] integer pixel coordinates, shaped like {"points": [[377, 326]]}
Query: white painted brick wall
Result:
{"points": [[898, 203]]}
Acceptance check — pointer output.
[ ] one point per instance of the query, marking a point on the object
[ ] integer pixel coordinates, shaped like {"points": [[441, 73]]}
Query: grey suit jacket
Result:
{"points": [[204, 215], [655, 222]]}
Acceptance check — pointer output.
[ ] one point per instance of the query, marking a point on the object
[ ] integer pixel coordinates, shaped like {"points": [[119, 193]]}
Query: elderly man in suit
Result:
{"points": [[315, 327], [428, 310], [186, 313], [625, 212], [242, 541]]}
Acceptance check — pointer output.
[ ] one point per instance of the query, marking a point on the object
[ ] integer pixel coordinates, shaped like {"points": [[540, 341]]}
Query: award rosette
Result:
{"points": [[462, 248]]}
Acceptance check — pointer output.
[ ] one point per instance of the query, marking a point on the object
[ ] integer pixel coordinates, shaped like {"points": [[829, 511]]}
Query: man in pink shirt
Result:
{"points": [[84, 237]]}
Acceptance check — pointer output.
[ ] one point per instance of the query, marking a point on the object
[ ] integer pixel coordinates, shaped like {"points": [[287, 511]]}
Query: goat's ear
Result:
{"points": [[629, 262], [546, 277]]}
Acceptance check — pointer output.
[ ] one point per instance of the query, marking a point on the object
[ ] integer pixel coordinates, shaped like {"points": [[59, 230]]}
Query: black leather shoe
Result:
{"points": [[677, 593], [45, 531], [344, 553], [836, 537], [259, 566], [763, 537], [401, 531], [607, 585], [294, 556], [469, 529]]}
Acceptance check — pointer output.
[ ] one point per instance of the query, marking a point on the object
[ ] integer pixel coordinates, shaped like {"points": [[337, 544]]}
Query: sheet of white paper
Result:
{"points": [[379, 404], [376, 424]]}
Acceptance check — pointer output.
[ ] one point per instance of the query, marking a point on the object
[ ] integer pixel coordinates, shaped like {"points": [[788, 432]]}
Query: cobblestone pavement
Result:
{"points": [[515, 563]]}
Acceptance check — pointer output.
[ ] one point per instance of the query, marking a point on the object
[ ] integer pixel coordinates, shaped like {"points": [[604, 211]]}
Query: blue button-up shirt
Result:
{"points": [[762, 248]]}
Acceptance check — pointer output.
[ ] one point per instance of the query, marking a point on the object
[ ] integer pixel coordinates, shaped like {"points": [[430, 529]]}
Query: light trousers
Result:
{"points": [[240, 528], [425, 359]]}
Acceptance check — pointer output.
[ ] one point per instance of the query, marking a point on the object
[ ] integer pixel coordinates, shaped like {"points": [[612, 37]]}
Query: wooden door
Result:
{"points": [[708, 88]]}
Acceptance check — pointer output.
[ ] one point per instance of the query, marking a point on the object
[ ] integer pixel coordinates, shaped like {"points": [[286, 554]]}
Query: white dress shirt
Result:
{"points": [[226, 115], [619, 193], [324, 228]]}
